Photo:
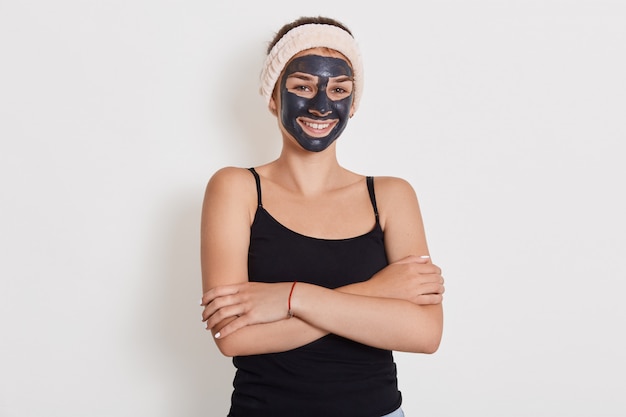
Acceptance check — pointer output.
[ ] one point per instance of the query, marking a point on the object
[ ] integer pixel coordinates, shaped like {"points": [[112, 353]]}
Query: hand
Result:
{"points": [[413, 278], [245, 304]]}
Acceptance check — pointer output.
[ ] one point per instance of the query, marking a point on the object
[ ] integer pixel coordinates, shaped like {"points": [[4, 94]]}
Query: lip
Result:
{"points": [[317, 128]]}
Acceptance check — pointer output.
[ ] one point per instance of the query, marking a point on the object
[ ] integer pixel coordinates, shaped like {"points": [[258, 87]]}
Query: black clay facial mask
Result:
{"points": [[316, 98]]}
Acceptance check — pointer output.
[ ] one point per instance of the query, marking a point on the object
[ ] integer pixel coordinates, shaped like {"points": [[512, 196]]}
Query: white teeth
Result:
{"points": [[318, 125]]}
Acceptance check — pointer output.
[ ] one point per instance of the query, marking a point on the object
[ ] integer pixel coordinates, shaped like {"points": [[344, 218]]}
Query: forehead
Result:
{"points": [[327, 64], [321, 51]]}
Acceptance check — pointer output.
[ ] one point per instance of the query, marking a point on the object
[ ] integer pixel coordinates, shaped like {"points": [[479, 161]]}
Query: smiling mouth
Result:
{"points": [[318, 128]]}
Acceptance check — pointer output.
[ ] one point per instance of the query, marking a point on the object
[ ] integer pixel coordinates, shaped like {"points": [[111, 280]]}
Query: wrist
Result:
{"points": [[358, 288]]}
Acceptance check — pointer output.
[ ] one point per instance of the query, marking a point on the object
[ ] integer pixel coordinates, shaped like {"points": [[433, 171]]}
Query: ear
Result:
{"points": [[272, 106], [352, 111]]}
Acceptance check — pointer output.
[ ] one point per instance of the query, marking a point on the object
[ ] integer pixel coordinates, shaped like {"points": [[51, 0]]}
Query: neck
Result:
{"points": [[309, 173]]}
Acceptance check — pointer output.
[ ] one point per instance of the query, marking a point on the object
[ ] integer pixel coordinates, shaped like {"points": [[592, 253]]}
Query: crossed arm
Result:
{"points": [[399, 308]]}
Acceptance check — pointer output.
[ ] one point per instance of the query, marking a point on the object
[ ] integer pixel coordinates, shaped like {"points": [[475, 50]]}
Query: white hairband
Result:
{"points": [[309, 36]]}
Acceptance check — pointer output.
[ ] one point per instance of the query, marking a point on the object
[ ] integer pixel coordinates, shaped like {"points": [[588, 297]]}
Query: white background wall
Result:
{"points": [[508, 117]]}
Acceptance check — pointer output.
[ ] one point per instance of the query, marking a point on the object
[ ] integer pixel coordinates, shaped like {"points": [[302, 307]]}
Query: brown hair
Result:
{"points": [[305, 20]]}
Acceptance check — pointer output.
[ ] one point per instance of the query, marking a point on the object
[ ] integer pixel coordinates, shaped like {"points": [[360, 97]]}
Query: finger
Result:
{"points": [[429, 299], [218, 303], [431, 277], [415, 268], [431, 288], [219, 291], [225, 313], [231, 327], [428, 269], [423, 259]]}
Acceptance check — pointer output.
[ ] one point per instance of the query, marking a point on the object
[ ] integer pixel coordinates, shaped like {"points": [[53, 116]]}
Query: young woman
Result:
{"points": [[314, 274]]}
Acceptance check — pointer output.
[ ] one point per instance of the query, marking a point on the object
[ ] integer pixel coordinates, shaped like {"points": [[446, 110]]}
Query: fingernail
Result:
{"points": [[200, 301], [425, 257], [217, 335]]}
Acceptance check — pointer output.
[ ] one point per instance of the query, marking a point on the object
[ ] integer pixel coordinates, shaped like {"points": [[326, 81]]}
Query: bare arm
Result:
{"points": [[257, 312], [227, 213], [395, 324]]}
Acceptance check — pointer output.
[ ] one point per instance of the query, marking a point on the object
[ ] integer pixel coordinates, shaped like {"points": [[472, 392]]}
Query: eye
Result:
{"points": [[339, 91], [340, 86], [300, 87]]}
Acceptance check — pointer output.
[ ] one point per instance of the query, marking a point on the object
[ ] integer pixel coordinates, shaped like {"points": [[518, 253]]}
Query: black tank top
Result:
{"points": [[332, 376]]}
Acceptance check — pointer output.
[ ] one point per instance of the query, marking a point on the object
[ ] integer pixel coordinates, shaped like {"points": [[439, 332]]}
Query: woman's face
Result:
{"points": [[316, 98]]}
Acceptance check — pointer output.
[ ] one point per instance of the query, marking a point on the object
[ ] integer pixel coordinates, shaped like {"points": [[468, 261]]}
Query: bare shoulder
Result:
{"points": [[231, 189], [393, 190], [397, 205], [227, 213], [231, 181], [230, 177]]}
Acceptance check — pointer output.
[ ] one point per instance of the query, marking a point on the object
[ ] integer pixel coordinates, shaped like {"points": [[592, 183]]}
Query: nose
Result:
{"points": [[320, 104]]}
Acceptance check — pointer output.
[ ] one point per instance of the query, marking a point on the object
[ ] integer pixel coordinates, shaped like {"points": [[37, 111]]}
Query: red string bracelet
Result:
{"points": [[289, 312]]}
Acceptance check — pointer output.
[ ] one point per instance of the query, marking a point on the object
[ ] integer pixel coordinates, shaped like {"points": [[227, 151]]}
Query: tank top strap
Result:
{"points": [[258, 185], [370, 188]]}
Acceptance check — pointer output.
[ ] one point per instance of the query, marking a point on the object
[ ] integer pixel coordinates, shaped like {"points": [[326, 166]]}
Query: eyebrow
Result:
{"points": [[306, 77], [343, 78], [302, 76]]}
